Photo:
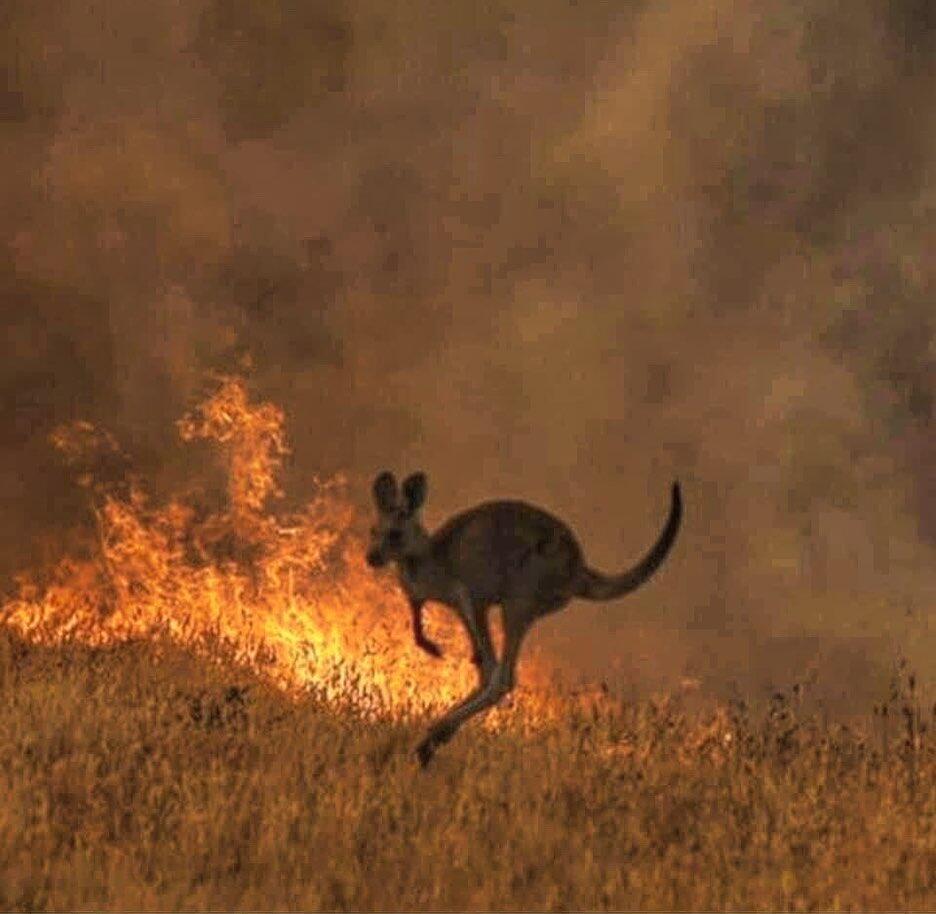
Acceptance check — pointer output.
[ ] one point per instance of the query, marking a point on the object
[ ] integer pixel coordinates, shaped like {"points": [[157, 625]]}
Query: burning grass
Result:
{"points": [[216, 709], [287, 596]]}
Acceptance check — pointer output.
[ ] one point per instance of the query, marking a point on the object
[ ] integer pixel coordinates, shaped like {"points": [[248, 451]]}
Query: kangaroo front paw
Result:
{"points": [[430, 647]]}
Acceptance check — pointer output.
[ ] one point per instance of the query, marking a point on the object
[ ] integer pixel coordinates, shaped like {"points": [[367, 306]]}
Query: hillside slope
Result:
{"points": [[137, 781]]}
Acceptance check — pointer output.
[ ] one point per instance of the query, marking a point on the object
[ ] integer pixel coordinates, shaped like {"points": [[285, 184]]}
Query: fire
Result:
{"points": [[286, 595]]}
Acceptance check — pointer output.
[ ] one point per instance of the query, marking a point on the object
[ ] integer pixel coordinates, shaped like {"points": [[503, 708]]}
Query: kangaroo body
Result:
{"points": [[505, 553], [498, 550]]}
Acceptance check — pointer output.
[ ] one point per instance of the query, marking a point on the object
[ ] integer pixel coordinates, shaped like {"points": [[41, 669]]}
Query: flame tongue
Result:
{"points": [[288, 596]]}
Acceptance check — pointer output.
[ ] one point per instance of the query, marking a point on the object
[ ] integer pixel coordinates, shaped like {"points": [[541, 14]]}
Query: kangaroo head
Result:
{"points": [[398, 532]]}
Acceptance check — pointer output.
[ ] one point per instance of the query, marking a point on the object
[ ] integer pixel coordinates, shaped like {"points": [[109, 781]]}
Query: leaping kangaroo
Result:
{"points": [[507, 553]]}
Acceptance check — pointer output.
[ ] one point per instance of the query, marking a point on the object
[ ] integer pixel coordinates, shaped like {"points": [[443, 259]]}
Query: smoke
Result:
{"points": [[550, 250]]}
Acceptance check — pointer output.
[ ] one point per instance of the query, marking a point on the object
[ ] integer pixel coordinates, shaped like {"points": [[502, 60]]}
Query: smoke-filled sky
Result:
{"points": [[558, 251]]}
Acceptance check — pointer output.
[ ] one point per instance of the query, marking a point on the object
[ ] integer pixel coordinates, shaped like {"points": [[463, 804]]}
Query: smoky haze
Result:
{"points": [[558, 251]]}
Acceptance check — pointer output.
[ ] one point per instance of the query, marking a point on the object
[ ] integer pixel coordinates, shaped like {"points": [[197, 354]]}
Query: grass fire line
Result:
{"points": [[217, 708], [289, 596]]}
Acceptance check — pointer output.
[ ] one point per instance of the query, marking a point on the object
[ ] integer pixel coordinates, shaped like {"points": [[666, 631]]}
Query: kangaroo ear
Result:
{"points": [[414, 491], [385, 491]]}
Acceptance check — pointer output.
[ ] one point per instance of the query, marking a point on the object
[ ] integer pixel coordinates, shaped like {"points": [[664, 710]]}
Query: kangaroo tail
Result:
{"points": [[593, 585]]}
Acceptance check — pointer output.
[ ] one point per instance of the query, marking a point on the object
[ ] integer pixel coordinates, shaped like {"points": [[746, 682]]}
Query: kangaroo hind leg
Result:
{"points": [[474, 616], [517, 621], [518, 616], [482, 648]]}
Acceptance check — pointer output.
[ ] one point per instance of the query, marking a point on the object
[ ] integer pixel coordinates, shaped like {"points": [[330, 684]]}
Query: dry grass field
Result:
{"points": [[217, 710], [560, 251], [138, 778]]}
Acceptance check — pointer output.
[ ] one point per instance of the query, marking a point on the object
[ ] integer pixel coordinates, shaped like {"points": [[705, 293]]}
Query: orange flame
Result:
{"points": [[288, 596]]}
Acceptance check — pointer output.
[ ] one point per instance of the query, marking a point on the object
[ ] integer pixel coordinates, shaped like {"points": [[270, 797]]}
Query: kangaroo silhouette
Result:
{"points": [[505, 553]]}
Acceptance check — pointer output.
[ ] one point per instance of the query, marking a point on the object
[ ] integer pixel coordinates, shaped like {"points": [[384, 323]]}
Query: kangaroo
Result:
{"points": [[507, 553]]}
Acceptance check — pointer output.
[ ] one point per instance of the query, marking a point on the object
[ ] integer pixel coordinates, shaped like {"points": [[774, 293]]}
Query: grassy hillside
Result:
{"points": [[141, 780]]}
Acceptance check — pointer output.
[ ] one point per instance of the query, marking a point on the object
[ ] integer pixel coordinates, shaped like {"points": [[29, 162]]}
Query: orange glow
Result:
{"points": [[288, 596]]}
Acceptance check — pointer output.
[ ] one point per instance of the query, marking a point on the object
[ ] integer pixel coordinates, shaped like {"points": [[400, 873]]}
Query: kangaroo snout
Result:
{"points": [[375, 558]]}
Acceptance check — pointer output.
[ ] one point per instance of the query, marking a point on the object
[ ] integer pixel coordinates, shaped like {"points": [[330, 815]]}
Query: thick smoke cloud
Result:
{"points": [[551, 250]]}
